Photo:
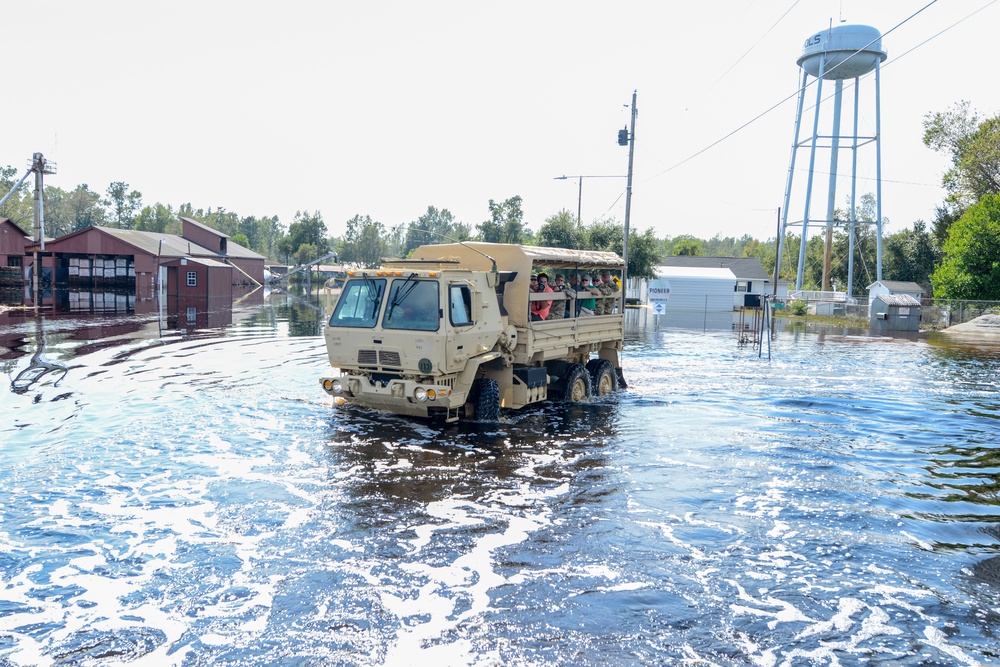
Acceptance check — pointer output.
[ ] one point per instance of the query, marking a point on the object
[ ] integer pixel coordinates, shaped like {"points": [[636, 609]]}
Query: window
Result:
{"points": [[413, 304], [192, 315], [460, 307], [359, 303], [192, 278]]}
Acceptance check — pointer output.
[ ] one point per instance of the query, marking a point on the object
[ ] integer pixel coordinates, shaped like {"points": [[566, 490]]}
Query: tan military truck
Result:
{"points": [[447, 333]]}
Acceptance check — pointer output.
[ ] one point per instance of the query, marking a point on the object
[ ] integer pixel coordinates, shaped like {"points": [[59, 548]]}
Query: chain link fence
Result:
{"points": [[935, 314], [944, 313]]}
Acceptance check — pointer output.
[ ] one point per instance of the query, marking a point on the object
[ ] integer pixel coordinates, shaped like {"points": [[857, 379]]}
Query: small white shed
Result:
{"points": [[893, 287], [698, 296]]}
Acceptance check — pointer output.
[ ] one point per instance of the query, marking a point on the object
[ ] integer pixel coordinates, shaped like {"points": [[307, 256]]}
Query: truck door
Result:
{"points": [[461, 336]]}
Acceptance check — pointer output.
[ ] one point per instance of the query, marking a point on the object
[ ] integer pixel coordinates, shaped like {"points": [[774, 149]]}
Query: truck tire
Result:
{"points": [[576, 386], [603, 378], [487, 400]]}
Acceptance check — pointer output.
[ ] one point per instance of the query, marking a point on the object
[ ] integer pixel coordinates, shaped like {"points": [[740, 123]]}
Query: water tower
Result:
{"points": [[839, 53]]}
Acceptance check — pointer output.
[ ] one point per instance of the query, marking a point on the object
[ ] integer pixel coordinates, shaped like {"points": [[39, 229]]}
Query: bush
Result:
{"points": [[798, 307]]}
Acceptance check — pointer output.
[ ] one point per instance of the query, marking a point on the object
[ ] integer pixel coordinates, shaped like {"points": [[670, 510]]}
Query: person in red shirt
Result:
{"points": [[540, 309]]}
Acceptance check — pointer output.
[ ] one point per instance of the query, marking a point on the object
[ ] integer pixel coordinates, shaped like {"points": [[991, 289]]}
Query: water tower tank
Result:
{"points": [[847, 51]]}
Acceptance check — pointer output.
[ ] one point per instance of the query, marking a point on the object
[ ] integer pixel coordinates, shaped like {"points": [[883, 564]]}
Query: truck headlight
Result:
{"points": [[336, 387], [420, 394]]}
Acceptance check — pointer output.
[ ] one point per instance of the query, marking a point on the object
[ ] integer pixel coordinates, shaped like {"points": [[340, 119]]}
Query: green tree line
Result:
{"points": [[956, 256]]}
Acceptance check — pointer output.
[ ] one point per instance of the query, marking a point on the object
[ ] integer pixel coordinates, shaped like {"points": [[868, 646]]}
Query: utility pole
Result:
{"points": [[40, 166], [579, 196], [630, 136]]}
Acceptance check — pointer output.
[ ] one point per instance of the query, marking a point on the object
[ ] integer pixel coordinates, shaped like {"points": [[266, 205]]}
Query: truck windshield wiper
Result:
{"points": [[374, 294], [403, 291]]}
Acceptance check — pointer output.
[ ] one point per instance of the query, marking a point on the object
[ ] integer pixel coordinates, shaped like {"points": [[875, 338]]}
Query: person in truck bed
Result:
{"points": [[540, 309]]}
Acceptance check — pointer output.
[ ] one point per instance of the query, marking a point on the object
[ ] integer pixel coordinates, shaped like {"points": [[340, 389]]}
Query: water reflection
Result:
{"points": [[38, 367]]}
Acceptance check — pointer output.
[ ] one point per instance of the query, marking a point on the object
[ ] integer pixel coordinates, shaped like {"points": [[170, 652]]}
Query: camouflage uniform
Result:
{"points": [[605, 305]]}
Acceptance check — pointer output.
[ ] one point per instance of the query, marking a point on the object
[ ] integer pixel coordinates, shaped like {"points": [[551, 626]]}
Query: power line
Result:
{"points": [[753, 46], [796, 93]]}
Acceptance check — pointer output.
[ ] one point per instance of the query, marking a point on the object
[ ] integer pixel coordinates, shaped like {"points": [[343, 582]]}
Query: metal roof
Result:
{"points": [[161, 245], [232, 249], [899, 286], [744, 268], [694, 272], [905, 300]]}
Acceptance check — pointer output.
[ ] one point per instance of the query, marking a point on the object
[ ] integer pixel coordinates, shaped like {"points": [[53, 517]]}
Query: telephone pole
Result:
{"points": [[40, 166], [625, 136]]}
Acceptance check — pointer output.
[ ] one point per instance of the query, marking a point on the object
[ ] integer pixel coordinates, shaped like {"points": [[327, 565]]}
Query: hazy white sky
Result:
{"points": [[386, 108]]}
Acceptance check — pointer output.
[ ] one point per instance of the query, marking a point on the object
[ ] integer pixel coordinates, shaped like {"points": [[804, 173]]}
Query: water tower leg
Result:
{"points": [[782, 231], [878, 168], [809, 183], [831, 198], [854, 192]]}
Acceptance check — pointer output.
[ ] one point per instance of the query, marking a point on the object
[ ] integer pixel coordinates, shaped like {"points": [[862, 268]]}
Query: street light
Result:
{"points": [[579, 198]]}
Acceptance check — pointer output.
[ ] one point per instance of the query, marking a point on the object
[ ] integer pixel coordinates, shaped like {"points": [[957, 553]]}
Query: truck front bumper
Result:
{"points": [[399, 396]]}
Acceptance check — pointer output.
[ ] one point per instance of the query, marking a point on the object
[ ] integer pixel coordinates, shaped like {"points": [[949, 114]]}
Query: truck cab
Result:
{"points": [[447, 333]]}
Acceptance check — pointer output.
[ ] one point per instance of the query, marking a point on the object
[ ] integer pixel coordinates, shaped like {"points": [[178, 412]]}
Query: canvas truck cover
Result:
{"points": [[522, 259]]}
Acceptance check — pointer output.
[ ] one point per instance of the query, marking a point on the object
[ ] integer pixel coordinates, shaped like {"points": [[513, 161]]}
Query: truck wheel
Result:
{"points": [[577, 383], [487, 400], [603, 379]]}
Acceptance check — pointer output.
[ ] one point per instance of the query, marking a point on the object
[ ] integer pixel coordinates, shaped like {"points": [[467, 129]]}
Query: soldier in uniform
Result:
{"points": [[606, 305]]}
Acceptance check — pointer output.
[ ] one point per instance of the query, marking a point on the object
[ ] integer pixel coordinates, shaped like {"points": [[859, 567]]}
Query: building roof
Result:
{"points": [[694, 272], [896, 286], [232, 249], [166, 245], [906, 300], [13, 225], [192, 221], [744, 268], [161, 245]]}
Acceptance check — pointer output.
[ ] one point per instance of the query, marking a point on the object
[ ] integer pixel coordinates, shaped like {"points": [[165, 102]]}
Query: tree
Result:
{"points": [[506, 223], [122, 205], [85, 208], [686, 245], [561, 231], [911, 255], [643, 249], [643, 255], [240, 238], [973, 144], [19, 207], [308, 228], [306, 253], [970, 268], [157, 218], [434, 226], [603, 234], [364, 242]]}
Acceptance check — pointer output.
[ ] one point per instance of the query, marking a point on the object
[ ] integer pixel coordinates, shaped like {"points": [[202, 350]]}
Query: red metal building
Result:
{"points": [[13, 241], [99, 257]]}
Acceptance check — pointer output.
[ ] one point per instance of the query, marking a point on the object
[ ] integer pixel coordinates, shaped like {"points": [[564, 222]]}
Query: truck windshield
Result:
{"points": [[359, 303], [413, 304]]}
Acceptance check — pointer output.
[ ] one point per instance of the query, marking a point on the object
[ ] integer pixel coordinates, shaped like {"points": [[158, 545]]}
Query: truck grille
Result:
{"points": [[375, 358], [388, 358]]}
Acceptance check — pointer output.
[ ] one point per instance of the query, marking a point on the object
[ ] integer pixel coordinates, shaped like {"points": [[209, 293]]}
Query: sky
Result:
{"points": [[384, 108]]}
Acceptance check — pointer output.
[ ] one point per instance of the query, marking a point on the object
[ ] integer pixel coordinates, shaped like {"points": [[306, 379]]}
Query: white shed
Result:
{"points": [[698, 296], [893, 287]]}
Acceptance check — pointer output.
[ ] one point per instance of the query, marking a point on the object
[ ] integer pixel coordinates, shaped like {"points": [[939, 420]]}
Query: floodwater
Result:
{"points": [[189, 496]]}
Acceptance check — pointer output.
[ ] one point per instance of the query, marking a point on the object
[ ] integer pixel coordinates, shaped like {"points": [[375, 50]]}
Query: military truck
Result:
{"points": [[446, 334]]}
